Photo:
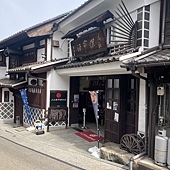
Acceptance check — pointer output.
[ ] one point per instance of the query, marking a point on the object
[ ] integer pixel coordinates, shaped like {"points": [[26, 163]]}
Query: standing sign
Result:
{"points": [[25, 102], [58, 98], [94, 99]]}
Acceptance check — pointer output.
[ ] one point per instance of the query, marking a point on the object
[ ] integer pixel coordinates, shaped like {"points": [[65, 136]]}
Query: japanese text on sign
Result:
{"points": [[92, 43]]}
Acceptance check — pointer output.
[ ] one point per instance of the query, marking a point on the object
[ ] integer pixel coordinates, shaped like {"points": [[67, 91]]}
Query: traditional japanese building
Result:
{"points": [[109, 46]]}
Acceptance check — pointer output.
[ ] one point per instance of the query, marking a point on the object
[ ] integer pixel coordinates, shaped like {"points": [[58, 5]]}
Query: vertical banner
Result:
{"points": [[25, 103], [94, 99]]}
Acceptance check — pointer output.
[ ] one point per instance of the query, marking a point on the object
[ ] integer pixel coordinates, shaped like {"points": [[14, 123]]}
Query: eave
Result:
{"points": [[37, 67], [95, 22], [6, 82], [151, 58]]}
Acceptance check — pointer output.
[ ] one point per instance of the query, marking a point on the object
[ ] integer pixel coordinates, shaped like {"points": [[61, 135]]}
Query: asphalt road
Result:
{"points": [[17, 157], [23, 150]]}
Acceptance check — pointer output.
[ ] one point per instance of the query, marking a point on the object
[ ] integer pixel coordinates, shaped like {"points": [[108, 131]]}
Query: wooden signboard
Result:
{"points": [[92, 43], [56, 115]]}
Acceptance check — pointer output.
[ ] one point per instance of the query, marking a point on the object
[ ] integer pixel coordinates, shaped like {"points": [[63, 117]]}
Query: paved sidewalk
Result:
{"points": [[61, 143]]}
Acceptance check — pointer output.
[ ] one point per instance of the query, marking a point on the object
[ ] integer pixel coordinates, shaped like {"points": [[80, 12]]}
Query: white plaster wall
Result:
{"points": [[40, 56], [154, 24], [147, 2], [7, 63], [62, 50], [97, 7], [2, 72], [48, 89], [97, 69], [142, 107], [11, 97], [57, 82], [4, 69]]}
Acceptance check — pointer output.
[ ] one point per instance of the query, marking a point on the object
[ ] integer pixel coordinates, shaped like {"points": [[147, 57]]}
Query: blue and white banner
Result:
{"points": [[25, 103]]}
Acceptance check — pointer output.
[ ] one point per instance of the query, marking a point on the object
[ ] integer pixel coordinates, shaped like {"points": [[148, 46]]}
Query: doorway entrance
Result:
{"points": [[121, 112], [93, 83], [117, 103]]}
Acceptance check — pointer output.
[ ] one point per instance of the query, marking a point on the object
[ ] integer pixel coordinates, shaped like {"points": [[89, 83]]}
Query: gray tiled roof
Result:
{"points": [[36, 65], [102, 60], [6, 82], [97, 59], [158, 57]]}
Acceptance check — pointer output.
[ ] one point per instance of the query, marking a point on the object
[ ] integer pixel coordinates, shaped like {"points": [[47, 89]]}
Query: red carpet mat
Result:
{"points": [[89, 136]]}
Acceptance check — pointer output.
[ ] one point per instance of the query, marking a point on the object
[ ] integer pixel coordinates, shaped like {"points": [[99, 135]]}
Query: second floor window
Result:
{"points": [[143, 18], [13, 62]]}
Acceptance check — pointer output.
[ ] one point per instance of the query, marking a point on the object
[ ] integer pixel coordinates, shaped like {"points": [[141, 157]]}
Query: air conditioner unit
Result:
{"points": [[40, 82], [32, 81]]}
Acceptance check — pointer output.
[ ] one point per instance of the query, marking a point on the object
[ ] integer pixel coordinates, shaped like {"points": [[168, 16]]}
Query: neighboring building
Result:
{"points": [[5, 112], [29, 65], [155, 62]]}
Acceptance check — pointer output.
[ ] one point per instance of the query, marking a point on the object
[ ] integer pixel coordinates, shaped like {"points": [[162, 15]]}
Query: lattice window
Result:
{"points": [[57, 124], [36, 114]]}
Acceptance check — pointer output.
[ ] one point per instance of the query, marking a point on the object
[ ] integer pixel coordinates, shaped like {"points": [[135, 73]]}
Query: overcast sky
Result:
{"points": [[16, 15]]}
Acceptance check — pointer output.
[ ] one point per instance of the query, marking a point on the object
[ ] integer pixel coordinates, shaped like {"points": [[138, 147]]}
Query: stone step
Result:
{"points": [[111, 151]]}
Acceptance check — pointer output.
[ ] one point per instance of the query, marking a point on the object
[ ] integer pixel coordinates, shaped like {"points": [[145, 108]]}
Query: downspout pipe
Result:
{"points": [[132, 159], [51, 50], [53, 29], [163, 22]]}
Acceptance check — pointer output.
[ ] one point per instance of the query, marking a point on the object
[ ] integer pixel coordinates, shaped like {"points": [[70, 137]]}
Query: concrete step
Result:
{"points": [[148, 164]]}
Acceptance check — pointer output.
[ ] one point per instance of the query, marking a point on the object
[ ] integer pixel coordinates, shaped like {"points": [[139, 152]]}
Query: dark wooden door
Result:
{"points": [[74, 104], [121, 106], [112, 112], [18, 107], [132, 105]]}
